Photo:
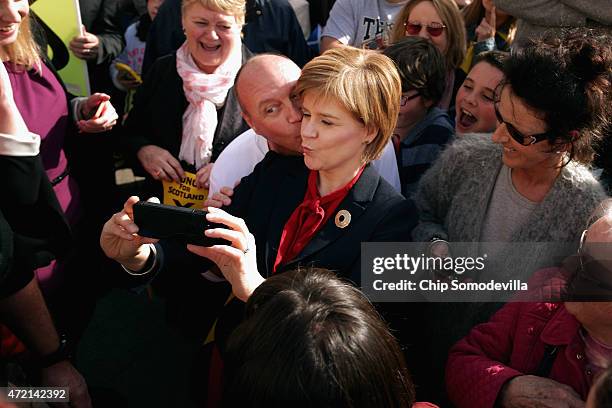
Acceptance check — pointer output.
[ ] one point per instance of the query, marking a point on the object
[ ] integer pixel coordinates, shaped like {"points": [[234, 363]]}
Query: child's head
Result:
{"points": [[600, 395], [423, 74], [474, 111], [152, 7]]}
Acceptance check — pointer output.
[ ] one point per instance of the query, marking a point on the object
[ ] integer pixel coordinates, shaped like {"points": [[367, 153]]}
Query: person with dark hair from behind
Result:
{"points": [[600, 395], [311, 340], [270, 26], [423, 129]]}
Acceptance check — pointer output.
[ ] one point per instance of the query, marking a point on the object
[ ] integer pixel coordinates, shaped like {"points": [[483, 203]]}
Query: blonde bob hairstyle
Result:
{"points": [[236, 8], [24, 52], [451, 18], [365, 83]]}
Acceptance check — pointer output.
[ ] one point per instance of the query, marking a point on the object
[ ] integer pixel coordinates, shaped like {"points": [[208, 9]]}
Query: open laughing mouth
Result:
{"points": [[210, 47], [466, 119]]}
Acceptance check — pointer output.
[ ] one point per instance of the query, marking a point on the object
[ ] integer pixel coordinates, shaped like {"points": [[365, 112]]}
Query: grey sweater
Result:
{"points": [[535, 17], [453, 197], [454, 194]]}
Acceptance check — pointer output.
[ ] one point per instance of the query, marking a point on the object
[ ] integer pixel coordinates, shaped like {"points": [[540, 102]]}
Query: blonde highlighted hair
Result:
{"points": [[237, 8], [451, 18], [24, 52], [365, 83]]}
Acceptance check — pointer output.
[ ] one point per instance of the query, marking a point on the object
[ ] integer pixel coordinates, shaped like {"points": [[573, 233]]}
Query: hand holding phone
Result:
{"points": [[186, 225]]}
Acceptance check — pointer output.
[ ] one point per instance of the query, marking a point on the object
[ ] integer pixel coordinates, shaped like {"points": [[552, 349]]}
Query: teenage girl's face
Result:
{"points": [[474, 101], [12, 13]]}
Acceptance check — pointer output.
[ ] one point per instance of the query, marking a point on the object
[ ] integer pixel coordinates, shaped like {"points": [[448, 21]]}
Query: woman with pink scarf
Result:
{"points": [[185, 113]]}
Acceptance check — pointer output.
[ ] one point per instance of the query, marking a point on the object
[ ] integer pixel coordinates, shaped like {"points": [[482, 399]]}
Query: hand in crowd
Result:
{"points": [[530, 391], [63, 374], [439, 249], [127, 81], [119, 239], [237, 262], [100, 113], [486, 29], [85, 46], [222, 198], [160, 164], [203, 176]]}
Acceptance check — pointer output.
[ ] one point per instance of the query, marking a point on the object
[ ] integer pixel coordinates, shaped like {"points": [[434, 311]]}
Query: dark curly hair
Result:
{"points": [[567, 80], [494, 58]]}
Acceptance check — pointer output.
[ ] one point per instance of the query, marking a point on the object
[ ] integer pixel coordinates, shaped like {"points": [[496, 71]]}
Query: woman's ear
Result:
{"points": [[371, 133]]}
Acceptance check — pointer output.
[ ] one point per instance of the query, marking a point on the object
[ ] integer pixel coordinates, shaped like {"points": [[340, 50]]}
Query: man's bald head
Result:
{"points": [[264, 70], [265, 87]]}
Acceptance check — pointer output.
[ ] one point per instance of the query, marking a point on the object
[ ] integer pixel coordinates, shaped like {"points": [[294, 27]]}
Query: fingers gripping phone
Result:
{"points": [[177, 223]]}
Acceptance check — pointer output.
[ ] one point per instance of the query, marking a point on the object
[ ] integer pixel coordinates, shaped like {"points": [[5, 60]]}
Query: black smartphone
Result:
{"points": [[186, 225]]}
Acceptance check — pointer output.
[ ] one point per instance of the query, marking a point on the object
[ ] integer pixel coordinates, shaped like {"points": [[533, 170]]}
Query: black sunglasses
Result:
{"points": [[525, 140]]}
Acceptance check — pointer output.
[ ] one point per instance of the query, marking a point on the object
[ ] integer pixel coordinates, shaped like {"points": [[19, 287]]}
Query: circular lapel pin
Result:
{"points": [[343, 219]]}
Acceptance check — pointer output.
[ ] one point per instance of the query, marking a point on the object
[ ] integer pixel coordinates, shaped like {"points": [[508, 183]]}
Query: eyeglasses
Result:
{"points": [[415, 27], [405, 98], [525, 140]]}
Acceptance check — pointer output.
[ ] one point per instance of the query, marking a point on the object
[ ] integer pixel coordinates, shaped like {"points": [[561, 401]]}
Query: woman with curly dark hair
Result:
{"points": [[528, 183]]}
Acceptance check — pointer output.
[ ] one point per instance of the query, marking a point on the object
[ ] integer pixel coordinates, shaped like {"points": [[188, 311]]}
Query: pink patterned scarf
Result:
{"points": [[205, 93]]}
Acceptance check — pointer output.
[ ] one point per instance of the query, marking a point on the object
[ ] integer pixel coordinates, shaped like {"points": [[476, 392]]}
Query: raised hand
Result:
{"points": [[486, 29], [237, 262], [85, 46], [100, 113], [120, 240]]}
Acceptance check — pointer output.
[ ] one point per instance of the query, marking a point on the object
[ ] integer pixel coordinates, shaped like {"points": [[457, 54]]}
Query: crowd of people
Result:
{"points": [[428, 121]]}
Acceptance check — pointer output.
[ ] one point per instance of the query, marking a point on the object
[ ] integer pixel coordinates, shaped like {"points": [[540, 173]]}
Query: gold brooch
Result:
{"points": [[343, 219]]}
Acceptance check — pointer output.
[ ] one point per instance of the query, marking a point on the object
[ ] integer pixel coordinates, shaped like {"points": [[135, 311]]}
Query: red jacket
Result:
{"points": [[511, 344]]}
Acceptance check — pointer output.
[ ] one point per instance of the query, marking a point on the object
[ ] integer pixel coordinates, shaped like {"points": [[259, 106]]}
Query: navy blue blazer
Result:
{"points": [[266, 199]]}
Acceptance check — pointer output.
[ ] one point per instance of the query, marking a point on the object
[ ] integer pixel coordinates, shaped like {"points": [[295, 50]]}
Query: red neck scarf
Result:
{"points": [[308, 218]]}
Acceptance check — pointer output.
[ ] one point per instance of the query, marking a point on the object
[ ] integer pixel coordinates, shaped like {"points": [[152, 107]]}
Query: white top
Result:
{"points": [[353, 22], [241, 156]]}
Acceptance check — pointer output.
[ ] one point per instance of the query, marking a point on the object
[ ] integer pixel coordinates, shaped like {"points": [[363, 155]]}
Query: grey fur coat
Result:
{"points": [[536, 17], [453, 197]]}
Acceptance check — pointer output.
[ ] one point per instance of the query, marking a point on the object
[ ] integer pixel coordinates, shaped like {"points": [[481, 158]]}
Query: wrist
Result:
{"points": [[437, 246], [249, 287], [63, 352], [142, 262]]}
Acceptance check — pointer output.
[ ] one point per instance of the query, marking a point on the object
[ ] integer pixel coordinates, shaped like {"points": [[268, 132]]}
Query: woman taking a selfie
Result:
{"points": [[315, 209]]}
